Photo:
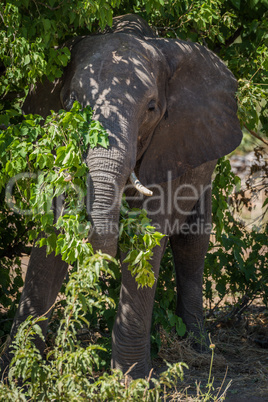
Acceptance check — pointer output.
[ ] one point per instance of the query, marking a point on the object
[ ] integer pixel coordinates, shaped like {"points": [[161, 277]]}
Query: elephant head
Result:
{"points": [[167, 105]]}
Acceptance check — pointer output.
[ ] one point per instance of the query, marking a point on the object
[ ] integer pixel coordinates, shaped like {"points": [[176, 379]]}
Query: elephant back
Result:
{"points": [[130, 24]]}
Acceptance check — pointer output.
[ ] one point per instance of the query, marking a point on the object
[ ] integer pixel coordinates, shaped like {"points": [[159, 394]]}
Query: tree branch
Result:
{"points": [[231, 40], [51, 8], [255, 134]]}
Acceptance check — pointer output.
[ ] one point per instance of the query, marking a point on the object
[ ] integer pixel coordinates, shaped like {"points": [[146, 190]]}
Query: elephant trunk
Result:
{"points": [[109, 170]]}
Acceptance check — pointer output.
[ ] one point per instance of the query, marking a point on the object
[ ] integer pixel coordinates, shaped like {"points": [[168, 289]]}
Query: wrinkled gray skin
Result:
{"points": [[170, 112]]}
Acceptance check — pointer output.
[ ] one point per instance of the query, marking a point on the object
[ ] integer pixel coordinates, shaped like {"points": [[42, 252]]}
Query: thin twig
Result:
{"points": [[169, 28], [186, 12], [235, 35], [223, 381], [226, 389], [149, 379], [37, 319], [259, 219], [37, 7], [20, 193], [255, 134], [49, 7], [214, 308], [50, 308], [255, 73], [3, 20]]}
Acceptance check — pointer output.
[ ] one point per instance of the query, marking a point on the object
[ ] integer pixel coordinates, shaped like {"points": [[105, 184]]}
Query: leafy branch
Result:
{"points": [[255, 134]]}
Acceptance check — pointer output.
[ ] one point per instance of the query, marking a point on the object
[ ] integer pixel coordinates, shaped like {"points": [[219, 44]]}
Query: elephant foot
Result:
{"points": [[132, 375], [132, 372], [199, 340]]}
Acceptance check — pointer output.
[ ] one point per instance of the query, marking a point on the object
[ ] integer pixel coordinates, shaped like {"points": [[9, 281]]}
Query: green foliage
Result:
{"points": [[137, 238], [11, 282], [33, 35], [165, 303], [33, 44], [69, 371], [13, 244], [52, 155], [237, 259], [236, 31], [31, 32]]}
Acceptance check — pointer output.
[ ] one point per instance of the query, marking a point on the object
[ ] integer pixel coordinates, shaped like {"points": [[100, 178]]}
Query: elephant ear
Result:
{"points": [[200, 123], [43, 98], [45, 95]]}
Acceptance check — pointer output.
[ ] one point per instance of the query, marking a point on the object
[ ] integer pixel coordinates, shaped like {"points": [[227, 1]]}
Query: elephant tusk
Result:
{"points": [[137, 184]]}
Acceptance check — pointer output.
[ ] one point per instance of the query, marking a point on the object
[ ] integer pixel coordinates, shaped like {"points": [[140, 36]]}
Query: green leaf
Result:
{"points": [[238, 257], [180, 327], [4, 119], [265, 203], [47, 24], [236, 3], [27, 59], [51, 241], [63, 59], [253, 3]]}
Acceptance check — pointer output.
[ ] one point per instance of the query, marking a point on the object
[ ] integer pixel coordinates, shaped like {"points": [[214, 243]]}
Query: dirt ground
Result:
{"points": [[240, 365]]}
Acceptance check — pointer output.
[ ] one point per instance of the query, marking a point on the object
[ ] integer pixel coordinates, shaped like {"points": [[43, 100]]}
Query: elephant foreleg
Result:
{"points": [[43, 281], [131, 332], [189, 249]]}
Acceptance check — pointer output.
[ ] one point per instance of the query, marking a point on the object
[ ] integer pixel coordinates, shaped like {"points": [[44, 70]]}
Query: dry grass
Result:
{"points": [[240, 364], [174, 349]]}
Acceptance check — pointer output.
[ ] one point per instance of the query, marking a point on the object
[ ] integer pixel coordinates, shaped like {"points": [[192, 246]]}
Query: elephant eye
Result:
{"points": [[152, 105]]}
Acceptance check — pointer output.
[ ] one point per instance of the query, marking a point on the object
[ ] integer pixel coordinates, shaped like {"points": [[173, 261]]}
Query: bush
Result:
{"points": [[236, 261]]}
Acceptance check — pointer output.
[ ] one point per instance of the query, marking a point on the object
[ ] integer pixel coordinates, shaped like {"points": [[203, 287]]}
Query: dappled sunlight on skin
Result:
{"points": [[126, 78], [169, 109], [117, 59], [123, 79], [118, 79], [123, 67]]}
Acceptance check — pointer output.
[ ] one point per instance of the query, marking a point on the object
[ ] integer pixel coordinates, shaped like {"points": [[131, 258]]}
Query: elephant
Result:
{"points": [[169, 109]]}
